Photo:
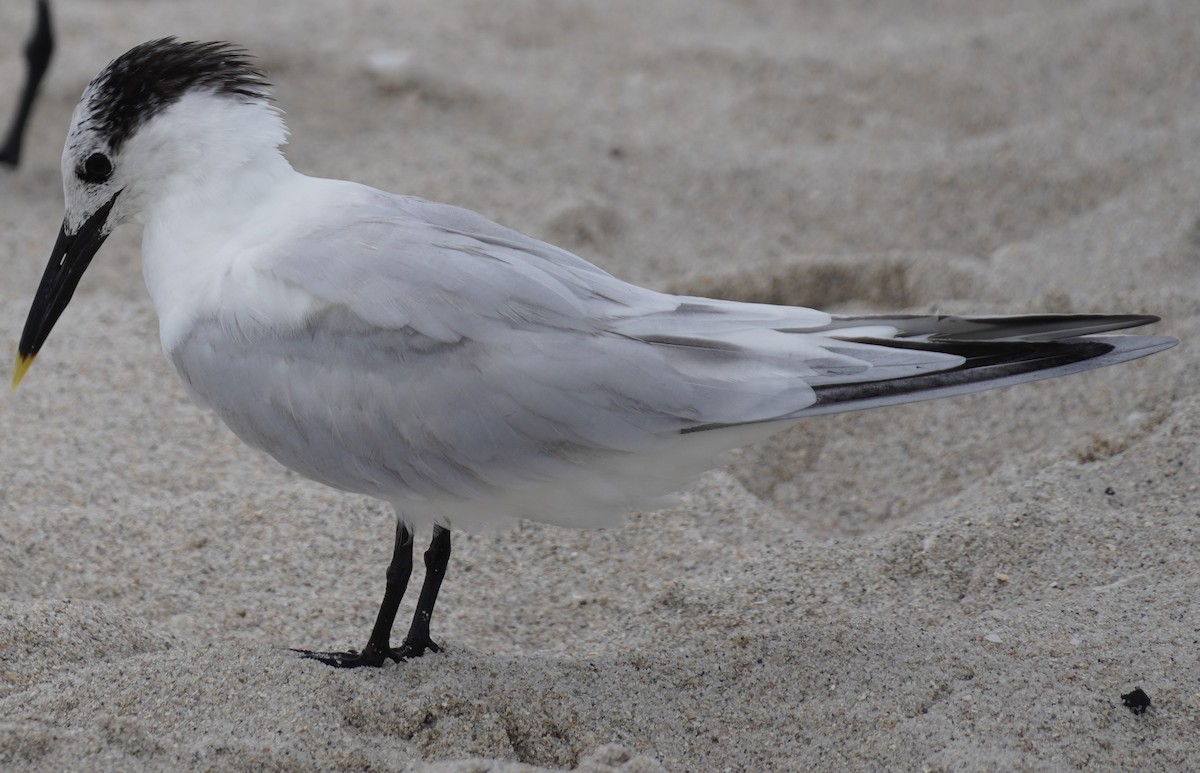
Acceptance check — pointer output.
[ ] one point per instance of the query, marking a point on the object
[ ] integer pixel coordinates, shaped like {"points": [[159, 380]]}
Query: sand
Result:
{"points": [[968, 584]]}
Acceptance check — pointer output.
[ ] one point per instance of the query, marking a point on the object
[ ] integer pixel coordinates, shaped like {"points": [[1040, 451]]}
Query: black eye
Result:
{"points": [[96, 169]]}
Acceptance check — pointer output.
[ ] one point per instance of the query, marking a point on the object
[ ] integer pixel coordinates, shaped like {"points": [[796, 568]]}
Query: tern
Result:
{"points": [[463, 372]]}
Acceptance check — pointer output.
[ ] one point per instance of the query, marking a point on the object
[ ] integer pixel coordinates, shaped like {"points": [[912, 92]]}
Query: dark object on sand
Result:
{"points": [[1136, 701]]}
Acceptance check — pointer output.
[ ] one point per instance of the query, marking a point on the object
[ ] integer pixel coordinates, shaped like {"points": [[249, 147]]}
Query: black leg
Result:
{"points": [[38, 50], [379, 648], [436, 558]]}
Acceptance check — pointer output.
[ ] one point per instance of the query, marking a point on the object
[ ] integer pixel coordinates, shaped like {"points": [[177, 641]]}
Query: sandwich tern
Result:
{"points": [[465, 373]]}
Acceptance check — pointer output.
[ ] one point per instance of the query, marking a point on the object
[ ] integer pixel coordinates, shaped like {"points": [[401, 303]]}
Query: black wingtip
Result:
{"points": [[986, 365], [1035, 327]]}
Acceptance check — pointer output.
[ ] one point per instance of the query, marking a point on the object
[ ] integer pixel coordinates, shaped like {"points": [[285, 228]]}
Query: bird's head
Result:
{"points": [[157, 116]]}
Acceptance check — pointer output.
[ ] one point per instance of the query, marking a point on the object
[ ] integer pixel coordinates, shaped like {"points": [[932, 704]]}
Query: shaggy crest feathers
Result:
{"points": [[151, 77]]}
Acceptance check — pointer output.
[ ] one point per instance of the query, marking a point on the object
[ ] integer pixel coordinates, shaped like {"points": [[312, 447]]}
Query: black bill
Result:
{"points": [[70, 258]]}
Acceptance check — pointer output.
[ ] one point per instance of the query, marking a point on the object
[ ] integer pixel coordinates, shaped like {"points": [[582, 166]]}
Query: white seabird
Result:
{"points": [[463, 372]]}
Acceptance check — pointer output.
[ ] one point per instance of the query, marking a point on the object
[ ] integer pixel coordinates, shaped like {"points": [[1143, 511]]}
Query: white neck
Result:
{"points": [[214, 173], [201, 141]]}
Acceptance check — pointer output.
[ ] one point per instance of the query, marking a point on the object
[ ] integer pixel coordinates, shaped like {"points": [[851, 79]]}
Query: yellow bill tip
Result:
{"points": [[20, 367]]}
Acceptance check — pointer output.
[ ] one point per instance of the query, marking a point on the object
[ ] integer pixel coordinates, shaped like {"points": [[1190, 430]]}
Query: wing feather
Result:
{"points": [[473, 375]]}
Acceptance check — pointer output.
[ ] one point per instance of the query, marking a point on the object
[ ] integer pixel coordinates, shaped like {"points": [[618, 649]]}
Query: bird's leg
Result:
{"points": [[436, 558], [379, 647], [38, 50]]}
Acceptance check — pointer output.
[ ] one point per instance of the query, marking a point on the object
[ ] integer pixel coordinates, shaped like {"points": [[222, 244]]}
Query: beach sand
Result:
{"points": [[966, 584]]}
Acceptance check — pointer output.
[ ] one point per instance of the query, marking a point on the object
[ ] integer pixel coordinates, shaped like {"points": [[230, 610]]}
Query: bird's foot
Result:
{"points": [[415, 647], [369, 658], [372, 656]]}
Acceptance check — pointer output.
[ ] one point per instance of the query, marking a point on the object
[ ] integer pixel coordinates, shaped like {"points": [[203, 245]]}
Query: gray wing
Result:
{"points": [[472, 375], [446, 359]]}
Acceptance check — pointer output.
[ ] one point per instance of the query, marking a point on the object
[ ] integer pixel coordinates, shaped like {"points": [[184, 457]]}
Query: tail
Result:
{"points": [[996, 352], [990, 352]]}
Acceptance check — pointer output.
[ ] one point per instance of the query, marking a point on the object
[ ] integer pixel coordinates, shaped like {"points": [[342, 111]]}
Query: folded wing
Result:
{"points": [[473, 375]]}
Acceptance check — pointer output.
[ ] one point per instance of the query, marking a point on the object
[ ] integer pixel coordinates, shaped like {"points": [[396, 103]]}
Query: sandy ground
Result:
{"points": [[969, 584]]}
